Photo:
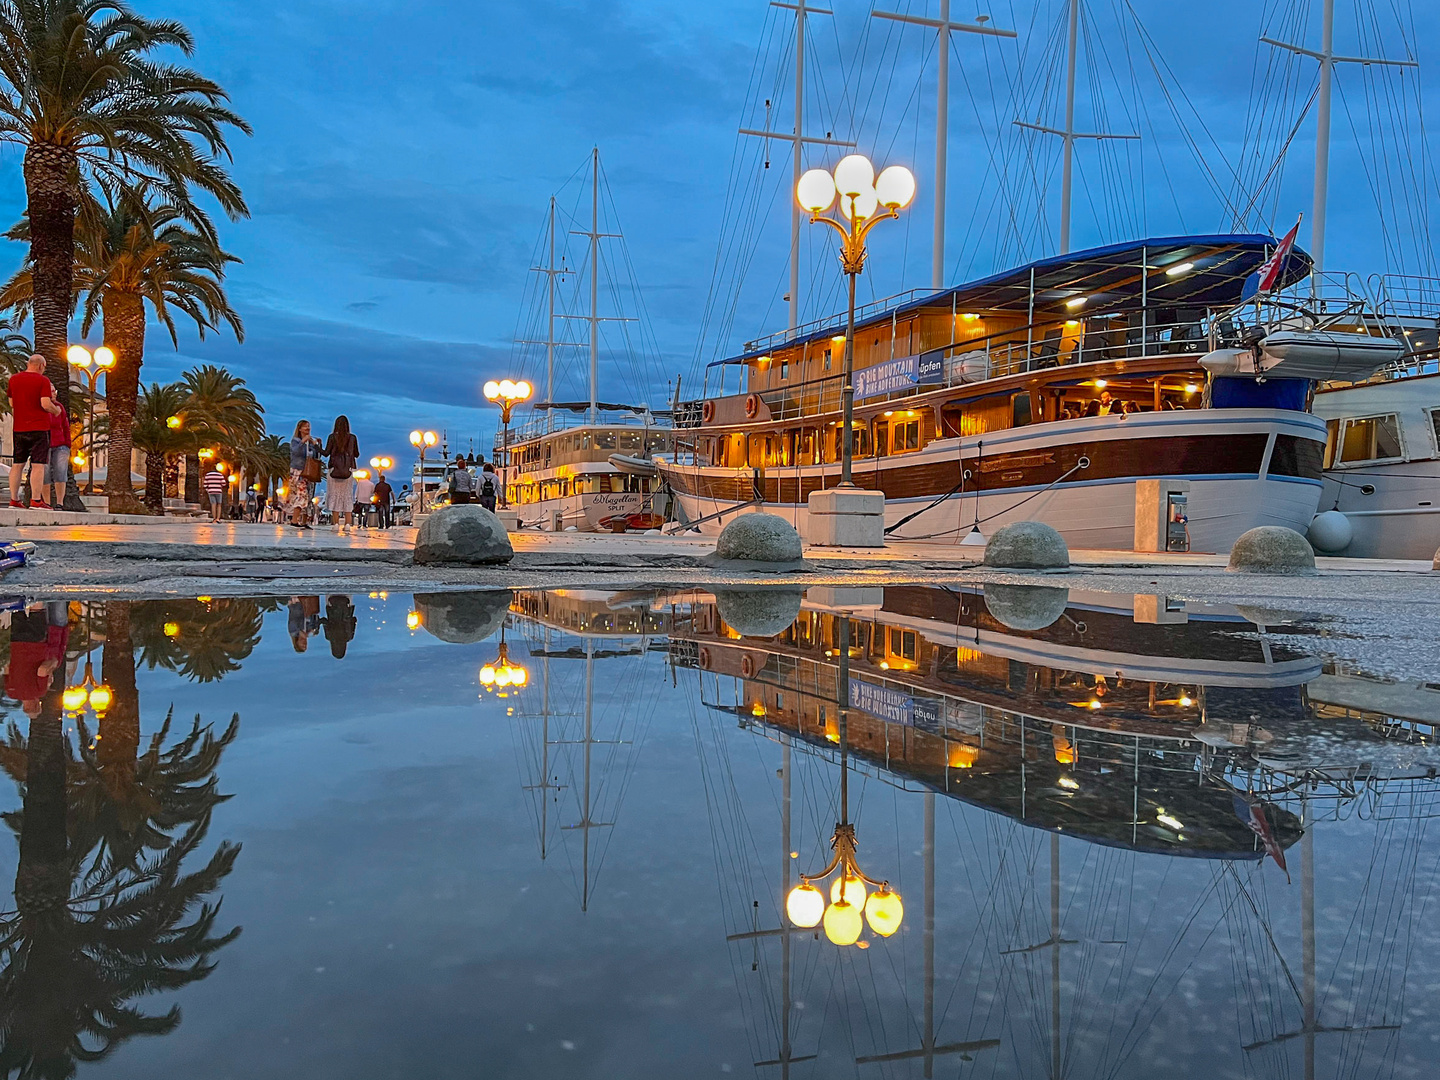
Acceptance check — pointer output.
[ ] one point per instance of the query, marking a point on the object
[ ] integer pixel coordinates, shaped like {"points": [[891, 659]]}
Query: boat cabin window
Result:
{"points": [[1020, 410], [605, 440], [1365, 439]]}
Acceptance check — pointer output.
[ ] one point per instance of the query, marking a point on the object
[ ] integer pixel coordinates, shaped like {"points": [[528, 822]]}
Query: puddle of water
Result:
{"points": [[551, 834]]}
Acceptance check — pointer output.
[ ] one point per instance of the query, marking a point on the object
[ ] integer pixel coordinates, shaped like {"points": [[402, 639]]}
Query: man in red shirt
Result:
{"points": [[33, 657], [32, 405]]}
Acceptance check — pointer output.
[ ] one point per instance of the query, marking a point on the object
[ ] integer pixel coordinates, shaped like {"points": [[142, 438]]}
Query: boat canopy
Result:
{"points": [[1209, 271], [602, 406]]}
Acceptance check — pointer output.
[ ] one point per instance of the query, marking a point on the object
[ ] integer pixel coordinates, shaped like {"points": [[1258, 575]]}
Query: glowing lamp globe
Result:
{"points": [[519, 676], [523, 389], [862, 207], [172, 629], [74, 698], [492, 390], [854, 890], [895, 187], [815, 191], [843, 923], [100, 698], [502, 677], [487, 676], [507, 388], [78, 355], [412, 620], [415, 438], [805, 905], [883, 911], [854, 175], [105, 357]]}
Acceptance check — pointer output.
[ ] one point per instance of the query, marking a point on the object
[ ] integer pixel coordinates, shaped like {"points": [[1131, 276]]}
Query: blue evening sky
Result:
{"points": [[404, 154]]}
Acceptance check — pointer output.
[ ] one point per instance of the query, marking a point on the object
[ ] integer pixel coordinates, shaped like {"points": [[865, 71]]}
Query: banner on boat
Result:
{"points": [[892, 376], [895, 706]]}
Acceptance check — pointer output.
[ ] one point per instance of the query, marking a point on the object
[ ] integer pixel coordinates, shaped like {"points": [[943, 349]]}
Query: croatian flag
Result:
{"points": [[1270, 272], [1252, 814]]}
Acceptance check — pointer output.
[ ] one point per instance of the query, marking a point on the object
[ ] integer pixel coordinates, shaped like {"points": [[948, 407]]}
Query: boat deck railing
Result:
{"points": [[537, 423]]}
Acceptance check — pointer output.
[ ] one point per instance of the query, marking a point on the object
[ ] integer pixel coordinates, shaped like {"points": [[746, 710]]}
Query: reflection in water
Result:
{"points": [[107, 909], [1092, 806]]}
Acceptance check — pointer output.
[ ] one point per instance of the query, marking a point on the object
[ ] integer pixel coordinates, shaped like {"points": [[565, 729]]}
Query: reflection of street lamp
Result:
{"points": [[503, 678], [507, 394], [421, 440], [93, 366], [805, 905], [414, 620], [97, 695], [865, 200]]}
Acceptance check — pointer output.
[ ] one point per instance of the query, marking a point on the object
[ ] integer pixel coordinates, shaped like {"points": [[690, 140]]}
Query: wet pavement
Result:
{"points": [[551, 834]]}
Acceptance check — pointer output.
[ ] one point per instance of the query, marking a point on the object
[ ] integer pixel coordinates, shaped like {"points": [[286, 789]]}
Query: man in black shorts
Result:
{"points": [[31, 405]]}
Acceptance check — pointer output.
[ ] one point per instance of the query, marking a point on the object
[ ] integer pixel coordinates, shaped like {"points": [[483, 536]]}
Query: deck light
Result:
{"points": [[1071, 323], [1191, 387], [1100, 384], [969, 316], [1166, 819], [1182, 268], [1069, 783], [1075, 303]]}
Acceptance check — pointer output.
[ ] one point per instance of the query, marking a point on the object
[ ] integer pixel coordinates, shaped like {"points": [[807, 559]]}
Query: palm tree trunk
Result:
{"points": [[192, 478], [42, 879], [124, 330], [50, 189], [155, 467], [119, 743]]}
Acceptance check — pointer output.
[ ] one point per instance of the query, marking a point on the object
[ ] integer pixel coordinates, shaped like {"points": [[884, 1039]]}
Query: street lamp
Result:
{"points": [[87, 692], [93, 365], [422, 440], [865, 201], [507, 394]]}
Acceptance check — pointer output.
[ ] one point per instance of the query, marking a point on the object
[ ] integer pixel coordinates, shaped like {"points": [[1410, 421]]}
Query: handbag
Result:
{"points": [[311, 470]]}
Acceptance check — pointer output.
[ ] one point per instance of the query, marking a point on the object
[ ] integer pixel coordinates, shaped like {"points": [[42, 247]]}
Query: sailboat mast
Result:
{"points": [[943, 27], [1069, 136], [594, 284], [796, 163], [550, 334]]}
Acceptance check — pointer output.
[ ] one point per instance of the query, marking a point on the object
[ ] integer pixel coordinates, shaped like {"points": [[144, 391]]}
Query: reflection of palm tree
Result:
{"points": [[103, 912], [205, 642]]}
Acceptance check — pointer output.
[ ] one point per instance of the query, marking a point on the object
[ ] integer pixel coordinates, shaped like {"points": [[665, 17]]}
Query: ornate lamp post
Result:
{"points": [[865, 201], [422, 440], [507, 394], [93, 365]]}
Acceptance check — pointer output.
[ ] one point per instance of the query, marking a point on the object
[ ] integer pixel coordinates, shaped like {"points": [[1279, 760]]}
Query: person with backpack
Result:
{"points": [[489, 485], [343, 451], [462, 484], [384, 502]]}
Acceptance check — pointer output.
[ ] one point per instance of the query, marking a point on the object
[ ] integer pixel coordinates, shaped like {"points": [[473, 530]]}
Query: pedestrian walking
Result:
{"points": [[385, 502], [343, 450], [214, 484], [303, 620], [364, 496], [340, 624], [252, 504], [305, 472], [59, 470], [489, 485], [462, 484], [32, 405]]}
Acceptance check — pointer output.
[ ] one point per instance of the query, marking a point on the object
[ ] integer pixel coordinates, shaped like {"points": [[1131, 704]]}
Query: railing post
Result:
{"points": [[1144, 298]]}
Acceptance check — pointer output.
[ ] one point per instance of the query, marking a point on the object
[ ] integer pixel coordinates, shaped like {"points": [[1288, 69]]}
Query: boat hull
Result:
{"points": [[1245, 467]]}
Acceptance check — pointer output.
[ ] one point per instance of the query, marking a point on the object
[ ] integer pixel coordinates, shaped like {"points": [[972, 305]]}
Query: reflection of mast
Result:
{"points": [[545, 786], [585, 824], [1310, 1027], [927, 1049], [1053, 942]]}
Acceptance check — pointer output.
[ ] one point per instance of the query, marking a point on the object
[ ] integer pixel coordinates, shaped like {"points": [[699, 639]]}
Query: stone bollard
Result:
{"points": [[758, 612], [758, 542], [463, 618], [1027, 545], [1272, 549], [465, 535]]}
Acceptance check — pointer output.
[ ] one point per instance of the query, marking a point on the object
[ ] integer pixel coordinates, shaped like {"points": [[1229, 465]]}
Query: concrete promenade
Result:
{"points": [[175, 540]]}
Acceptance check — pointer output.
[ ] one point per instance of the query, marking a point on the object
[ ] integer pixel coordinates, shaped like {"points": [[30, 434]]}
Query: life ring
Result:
{"points": [[704, 653], [707, 411], [747, 667], [752, 404]]}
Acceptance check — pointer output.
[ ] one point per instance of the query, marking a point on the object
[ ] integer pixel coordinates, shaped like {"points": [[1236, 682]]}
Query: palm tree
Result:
{"points": [[125, 254], [265, 462], [203, 641], [221, 412], [154, 435], [81, 91]]}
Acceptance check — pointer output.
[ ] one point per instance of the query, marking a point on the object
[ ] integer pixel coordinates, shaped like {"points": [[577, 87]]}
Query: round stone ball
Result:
{"points": [[759, 537], [759, 612], [1027, 545], [1272, 549], [465, 535], [463, 618], [1026, 607], [1331, 531]]}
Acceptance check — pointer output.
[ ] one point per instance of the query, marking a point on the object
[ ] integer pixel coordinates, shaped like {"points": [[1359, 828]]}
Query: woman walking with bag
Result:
{"points": [[305, 471], [343, 450]]}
